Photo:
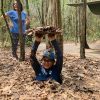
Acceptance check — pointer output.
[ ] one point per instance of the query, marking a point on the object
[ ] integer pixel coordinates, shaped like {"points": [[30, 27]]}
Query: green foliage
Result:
{"points": [[28, 40], [68, 20]]}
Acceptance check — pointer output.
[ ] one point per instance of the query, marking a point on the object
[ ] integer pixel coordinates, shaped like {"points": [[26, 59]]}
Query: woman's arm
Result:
{"points": [[5, 15], [27, 20]]}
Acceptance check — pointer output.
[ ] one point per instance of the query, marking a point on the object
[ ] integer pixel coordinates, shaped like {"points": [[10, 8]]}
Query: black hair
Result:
{"points": [[19, 5]]}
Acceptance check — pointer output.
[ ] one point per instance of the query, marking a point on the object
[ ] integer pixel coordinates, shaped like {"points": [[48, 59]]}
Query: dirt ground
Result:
{"points": [[81, 78]]}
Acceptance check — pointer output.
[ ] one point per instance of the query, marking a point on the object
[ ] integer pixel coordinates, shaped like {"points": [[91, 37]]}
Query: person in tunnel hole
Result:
{"points": [[50, 66]]}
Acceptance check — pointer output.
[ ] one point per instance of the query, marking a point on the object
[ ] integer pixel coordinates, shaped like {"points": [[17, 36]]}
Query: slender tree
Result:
{"points": [[49, 13], [52, 16], [22, 47], [27, 7], [28, 13], [85, 11], [60, 36], [82, 31], [3, 13]]}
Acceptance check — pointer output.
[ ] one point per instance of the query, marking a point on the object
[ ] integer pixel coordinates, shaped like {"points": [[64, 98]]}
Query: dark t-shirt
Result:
{"points": [[54, 72]]}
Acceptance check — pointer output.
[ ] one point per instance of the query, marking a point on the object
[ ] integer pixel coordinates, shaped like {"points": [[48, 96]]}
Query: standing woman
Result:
{"points": [[14, 28]]}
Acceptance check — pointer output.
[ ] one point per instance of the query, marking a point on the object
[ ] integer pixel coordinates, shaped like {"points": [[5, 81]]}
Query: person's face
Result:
{"points": [[15, 5], [47, 63]]}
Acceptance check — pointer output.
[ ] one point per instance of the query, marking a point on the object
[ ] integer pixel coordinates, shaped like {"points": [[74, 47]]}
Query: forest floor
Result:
{"points": [[81, 78]]}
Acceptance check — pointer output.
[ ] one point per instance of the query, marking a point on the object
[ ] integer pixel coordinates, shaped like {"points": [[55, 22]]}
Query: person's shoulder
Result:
{"points": [[10, 12]]}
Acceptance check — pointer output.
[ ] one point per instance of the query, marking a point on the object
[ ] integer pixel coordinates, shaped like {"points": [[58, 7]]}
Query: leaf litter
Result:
{"points": [[81, 80]]}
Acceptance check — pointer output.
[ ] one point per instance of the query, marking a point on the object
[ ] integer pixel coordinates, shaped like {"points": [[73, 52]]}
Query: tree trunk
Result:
{"points": [[42, 13], [27, 7], [2, 10], [57, 20], [85, 10], [21, 38], [53, 17], [76, 27], [82, 35], [60, 36], [28, 13]]}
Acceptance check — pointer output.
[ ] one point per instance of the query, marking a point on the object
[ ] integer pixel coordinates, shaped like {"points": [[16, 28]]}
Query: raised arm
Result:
{"points": [[59, 55], [34, 62]]}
